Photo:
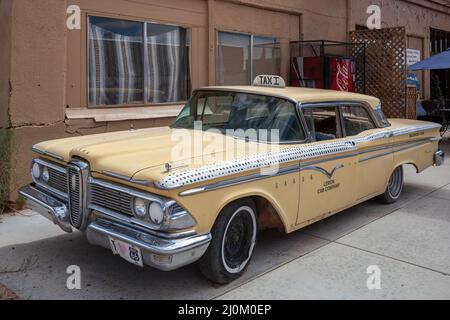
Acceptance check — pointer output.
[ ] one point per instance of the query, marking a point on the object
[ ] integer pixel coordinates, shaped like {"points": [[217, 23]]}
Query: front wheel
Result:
{"points": [[232, 244], [394, 187]]}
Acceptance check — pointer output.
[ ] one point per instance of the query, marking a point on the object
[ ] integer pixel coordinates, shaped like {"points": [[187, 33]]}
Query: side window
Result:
{"points": [[356, 120], [323, 122]]}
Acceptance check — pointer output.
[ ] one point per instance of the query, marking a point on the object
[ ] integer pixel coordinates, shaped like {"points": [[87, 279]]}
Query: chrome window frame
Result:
{"points": [[339, 105]]}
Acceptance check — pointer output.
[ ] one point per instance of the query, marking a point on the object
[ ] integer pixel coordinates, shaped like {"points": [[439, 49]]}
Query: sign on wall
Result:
{"points": [[412, 56]]}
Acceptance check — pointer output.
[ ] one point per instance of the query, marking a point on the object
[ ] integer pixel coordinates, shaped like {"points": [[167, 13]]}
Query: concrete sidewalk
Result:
{"points": [[408, 241]]}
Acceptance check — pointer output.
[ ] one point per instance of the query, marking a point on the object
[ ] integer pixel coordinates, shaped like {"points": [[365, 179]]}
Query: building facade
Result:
{"points": [[133, 64]]}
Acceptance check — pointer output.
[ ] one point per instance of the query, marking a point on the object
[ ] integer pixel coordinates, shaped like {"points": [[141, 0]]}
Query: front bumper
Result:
{"points": [[47, 205], [439, 158], [159, 252]]}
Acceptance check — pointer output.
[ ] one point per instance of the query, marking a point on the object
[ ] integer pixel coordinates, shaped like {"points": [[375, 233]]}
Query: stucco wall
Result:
{"points": [[38, 62], [5, 60]]}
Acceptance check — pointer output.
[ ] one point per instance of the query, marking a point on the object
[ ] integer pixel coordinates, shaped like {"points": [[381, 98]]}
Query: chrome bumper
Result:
{"points": [[439, 158], [162, 253], [48, 206]]}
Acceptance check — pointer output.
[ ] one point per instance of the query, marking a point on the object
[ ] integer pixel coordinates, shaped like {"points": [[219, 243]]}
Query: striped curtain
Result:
{"points": [[167, 63], [115, 62]]}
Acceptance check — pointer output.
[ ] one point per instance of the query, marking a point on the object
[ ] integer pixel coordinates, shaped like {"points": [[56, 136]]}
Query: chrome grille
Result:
{"points": [[110, 199], [74, 195], [57, 180]]}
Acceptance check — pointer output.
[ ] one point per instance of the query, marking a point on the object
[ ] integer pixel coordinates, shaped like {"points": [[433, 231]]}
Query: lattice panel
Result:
{"points": [[411, 93], [385, 70], [358, 53]]}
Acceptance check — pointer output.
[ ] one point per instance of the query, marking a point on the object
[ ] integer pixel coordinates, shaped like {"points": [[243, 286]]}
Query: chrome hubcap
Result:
{"points": [[396, 183]]}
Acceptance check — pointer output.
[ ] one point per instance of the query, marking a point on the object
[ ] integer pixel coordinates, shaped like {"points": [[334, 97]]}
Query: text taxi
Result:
{"points": [[269, 157]]}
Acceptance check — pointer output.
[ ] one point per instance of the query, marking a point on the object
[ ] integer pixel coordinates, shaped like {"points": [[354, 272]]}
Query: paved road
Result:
{"points": [[408, 241]]}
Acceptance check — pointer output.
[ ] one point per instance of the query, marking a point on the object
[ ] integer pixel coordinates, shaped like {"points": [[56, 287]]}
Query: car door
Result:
{"points": [[326, 179], [375, 154]]}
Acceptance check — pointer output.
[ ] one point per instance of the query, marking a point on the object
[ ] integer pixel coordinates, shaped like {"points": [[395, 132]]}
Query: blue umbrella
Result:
{"points": [[438, 61]]}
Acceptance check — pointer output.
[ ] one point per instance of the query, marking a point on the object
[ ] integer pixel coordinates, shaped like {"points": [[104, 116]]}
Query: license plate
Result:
{"points": [[127, 251]]}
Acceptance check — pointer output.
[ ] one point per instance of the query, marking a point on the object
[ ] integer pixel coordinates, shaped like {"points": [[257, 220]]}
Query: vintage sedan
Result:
{"points": [[162, 197]]}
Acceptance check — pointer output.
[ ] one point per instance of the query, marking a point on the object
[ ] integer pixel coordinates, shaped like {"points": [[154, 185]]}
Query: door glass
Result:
{"points": [[323, 122], [356, 120]]}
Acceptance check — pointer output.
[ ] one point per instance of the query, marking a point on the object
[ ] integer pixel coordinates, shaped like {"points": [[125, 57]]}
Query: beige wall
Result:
{"points": [[38, 62], [5, 60], [46, 63]]}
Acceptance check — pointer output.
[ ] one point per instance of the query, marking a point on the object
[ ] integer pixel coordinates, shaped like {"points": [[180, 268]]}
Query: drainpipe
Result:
{"points": [[349, 19], [211, 45]]}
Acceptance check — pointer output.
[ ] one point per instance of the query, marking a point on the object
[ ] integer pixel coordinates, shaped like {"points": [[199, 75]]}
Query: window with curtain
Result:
{"points": [[137, 62], [240, 58]]}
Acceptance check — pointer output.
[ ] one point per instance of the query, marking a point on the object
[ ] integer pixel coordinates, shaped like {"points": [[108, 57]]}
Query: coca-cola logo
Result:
{"points": [[342, 75]]}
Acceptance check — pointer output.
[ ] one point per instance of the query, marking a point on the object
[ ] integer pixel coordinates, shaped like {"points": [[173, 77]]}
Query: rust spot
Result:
{"points": [[267, 216]]}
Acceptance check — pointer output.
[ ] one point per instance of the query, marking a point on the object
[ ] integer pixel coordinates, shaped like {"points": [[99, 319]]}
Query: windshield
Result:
{"points": [[238, 112]]}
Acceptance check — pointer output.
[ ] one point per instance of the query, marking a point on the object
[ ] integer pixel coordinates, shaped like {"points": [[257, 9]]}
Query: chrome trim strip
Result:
{"points": [[116, 175], [132, 222], [344, 156], [128, 179], [50, 165], [418, 143], [379, 155], [46, 153]]}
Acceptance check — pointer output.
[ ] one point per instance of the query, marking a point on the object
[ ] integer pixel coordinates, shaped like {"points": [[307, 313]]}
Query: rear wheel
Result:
{"points": [[232, 244], [394, 187]]}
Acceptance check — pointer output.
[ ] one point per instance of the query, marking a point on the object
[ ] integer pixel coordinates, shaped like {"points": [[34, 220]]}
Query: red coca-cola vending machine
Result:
{"points": [[341, 74], [326, 72]]}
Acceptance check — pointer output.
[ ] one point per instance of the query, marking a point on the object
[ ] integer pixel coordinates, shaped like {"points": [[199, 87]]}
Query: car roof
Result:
{"points": [[302, 95]]}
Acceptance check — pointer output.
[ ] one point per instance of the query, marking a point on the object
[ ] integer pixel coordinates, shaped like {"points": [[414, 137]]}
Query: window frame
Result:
{"points": [[338, 105], [252, 36], [344, 130], [145, 102]]}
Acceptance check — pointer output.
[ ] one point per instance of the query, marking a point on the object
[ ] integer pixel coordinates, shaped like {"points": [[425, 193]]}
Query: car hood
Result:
{"points": [[144, 152]]}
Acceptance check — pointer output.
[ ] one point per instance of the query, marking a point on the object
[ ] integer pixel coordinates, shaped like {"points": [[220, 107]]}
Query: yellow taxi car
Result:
{"points": [[268, 156]]}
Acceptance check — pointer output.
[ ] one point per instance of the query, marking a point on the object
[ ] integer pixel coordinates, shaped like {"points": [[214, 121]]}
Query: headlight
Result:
{"points": [[45, 175], [36, 171], [139, 208], [156, 214]]}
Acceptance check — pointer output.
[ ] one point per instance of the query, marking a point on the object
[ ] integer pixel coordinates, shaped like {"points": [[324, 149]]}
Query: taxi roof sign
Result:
{"points": [[265, 80]]}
